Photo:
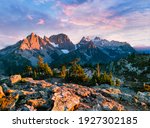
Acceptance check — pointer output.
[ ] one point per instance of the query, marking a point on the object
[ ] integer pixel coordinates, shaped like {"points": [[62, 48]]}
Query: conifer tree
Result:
{"points": [[43, 69], [117, 82], [105, 77], [34, 74], [110, 75], [76, 73], [29, 70], [94, 79], [63, 72], [47, 70], [40, 63], [98, 70]]}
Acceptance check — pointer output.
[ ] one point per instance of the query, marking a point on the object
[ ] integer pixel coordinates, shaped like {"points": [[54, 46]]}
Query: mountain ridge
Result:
{"points": [[97, 51], [59, 49]]}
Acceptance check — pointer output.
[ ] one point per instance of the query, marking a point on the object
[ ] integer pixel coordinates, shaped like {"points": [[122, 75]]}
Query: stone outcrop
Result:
{"points": [[110, 105], [1, 92], [37, 95], [8, 103], [144, 97], [26, 108], [36, 103], [65, 100], [15, 78]]}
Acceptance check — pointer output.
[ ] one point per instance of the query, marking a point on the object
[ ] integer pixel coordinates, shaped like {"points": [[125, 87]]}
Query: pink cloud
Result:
{"points": [[80, 22], [86, 21], [91, 14], [68, 10], [41, 22], [98, 21], [29, 17]]}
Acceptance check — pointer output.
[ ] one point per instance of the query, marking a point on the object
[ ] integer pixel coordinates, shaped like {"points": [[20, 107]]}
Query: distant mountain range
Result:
{"points": [[145, 50], [97, 50], [59, 49]]}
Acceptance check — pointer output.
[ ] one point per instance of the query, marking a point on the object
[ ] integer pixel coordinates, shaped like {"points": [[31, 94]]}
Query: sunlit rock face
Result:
{"points": [[36, 95]]}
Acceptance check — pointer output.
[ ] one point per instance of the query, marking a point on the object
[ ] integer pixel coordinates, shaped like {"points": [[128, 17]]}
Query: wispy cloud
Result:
{"points": [[41, 22], [29, 17], [41, 1], [90, 13], [6, 40], [124, 20]]}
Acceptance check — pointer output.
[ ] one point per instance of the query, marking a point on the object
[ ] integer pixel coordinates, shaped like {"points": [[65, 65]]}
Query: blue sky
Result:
{"points": [[122, 20]]}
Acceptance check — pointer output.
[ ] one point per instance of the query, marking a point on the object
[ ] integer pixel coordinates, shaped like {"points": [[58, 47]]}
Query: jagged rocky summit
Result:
{"points": [[97, 50]]}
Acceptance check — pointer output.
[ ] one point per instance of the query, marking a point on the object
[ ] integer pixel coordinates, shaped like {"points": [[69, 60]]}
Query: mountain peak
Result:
{"points": [[97, 38], [63, 41], [35, 42], [46, 39], [31, 42], [86, 42], [60, 38], [32, 33], [85, 39]]}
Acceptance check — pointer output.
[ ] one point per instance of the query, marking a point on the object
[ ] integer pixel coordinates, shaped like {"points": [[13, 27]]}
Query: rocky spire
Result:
{"points": [[32, 41]]}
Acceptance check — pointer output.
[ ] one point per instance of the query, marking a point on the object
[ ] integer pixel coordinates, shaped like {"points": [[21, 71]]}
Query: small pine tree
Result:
{"points": [[98, 71], [47, 70], [110, 75], [43, 69], [28, 70], [40, 64], [118, 82], [63, 72], [111, 79], [76, 74], [34, 74], [105, 77], [94, 79]]}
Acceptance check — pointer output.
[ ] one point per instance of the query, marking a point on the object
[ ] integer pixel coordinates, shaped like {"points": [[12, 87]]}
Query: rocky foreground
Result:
{"points": [[26, 94]]}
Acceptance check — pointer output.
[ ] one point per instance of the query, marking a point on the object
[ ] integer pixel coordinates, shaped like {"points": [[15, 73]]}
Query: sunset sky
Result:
{"points": [[122, 20]]}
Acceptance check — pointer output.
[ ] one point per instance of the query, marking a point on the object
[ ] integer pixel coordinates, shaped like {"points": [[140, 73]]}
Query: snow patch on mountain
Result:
{"points": [[65, 51], [54, 45], [76, 46]]}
